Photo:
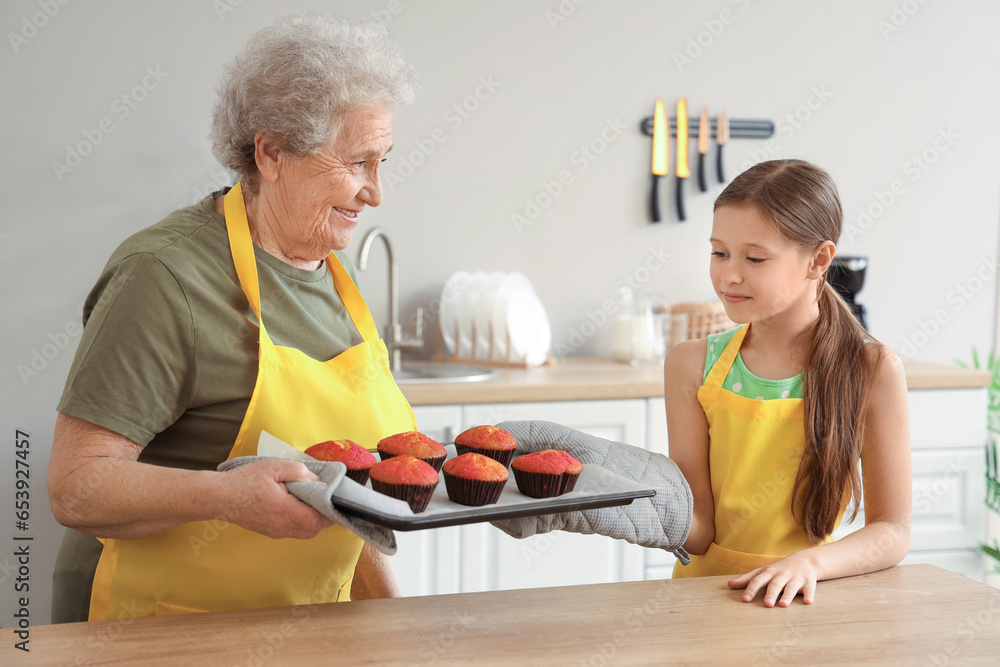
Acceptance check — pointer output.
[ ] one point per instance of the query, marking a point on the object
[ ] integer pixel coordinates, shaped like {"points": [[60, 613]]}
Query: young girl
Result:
{"points": [[769, 421]]}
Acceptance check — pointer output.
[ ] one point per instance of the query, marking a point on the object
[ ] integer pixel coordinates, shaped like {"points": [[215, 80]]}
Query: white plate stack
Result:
{"points": [[494, 317]]}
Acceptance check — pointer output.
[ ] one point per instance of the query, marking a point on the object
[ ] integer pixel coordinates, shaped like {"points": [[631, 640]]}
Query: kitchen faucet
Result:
{"points": [[394, 338]]}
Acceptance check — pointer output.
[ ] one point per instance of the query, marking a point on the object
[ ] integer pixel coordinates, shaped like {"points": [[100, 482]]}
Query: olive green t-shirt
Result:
{"points": [[168, 355]]}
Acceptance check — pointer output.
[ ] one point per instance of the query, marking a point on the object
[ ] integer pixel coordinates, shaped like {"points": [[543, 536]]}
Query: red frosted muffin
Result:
{"points": [[490, 441], [474, 479], [417, 445], [357, 459], [550, 472], [406, 478]]}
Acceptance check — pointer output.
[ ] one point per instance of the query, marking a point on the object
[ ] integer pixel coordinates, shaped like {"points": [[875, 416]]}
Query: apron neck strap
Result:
{"points": [[241, 245], [720, 369], [353, 301]]}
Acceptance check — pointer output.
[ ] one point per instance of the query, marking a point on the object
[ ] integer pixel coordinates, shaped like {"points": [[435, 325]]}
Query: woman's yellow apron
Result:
{"points": [[214, 565], [754, 452]]}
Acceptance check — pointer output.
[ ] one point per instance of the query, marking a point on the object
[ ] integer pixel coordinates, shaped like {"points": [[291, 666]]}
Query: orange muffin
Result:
{"points": [[417, 445], [357, 459], [550, 472], [490, 441], [474, 479], [406, 478]]}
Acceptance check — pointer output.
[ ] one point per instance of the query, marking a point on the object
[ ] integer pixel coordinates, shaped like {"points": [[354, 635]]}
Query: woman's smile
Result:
{"points": [[350, 216]]}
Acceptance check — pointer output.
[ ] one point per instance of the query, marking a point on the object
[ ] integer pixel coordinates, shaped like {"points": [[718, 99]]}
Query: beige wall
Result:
{"points": [[863, 88]]}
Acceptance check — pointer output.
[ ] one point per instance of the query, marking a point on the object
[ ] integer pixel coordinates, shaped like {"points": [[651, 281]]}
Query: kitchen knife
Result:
{"points": [[721, 137], [703, 132], [682, 154], [661, 163]]}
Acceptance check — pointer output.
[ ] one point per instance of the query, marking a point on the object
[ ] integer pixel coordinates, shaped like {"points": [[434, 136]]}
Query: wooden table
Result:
{"points": [[908, 615]]}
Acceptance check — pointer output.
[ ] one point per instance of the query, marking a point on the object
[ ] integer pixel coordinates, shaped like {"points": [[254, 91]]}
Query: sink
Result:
{"points": [[413, 372]]}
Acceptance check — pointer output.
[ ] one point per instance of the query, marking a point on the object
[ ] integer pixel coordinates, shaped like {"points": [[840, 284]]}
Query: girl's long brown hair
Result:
{"points": [[802, 203]]}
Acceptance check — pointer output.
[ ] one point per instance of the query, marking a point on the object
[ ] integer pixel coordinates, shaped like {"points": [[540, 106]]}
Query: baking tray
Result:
{"points": [[596, 487]]}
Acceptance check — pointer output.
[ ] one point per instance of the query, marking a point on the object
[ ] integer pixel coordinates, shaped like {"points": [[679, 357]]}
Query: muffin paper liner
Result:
{"points": [[474, 492], [503, 456], [544, 485], [360, 476], [417, 495]]}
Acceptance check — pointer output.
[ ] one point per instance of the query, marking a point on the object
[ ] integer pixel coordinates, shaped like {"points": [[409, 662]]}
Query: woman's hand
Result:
{"points": [[254, 497], [782, 581], [98, 487]]}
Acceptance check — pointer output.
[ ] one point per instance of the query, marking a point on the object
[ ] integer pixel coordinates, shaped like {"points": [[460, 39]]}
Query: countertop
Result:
{"points": [[595, 378], [906, 615]]}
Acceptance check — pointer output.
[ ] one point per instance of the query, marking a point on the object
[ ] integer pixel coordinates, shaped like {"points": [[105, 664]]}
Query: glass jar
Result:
{"points": [[634, 338]]}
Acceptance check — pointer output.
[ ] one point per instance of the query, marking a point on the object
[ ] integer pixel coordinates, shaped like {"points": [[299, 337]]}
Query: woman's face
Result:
{"points": [[756, 272], [324, 194]]}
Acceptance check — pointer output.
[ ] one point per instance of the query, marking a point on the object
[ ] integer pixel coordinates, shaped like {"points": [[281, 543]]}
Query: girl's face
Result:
{"points": [[757, 273]]}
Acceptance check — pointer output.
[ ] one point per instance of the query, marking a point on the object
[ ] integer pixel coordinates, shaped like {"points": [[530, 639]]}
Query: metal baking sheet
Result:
{"points": [[596, 487]]}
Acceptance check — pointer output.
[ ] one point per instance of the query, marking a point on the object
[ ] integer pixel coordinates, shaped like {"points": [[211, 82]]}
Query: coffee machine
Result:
{"points": [[847, 276]]}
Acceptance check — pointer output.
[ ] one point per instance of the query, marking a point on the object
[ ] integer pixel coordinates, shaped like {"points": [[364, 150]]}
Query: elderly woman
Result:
{"points": [[231, 317]]}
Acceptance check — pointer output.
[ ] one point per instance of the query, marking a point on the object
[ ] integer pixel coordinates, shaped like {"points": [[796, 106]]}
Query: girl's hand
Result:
{"points": [[783, 581]]}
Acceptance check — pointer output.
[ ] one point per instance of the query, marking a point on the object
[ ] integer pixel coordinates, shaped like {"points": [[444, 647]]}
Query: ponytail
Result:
{"points": [[835, 392]]}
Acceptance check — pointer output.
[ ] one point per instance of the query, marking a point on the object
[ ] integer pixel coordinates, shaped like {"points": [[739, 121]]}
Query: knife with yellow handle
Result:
{"points": [[721, 137], [682, 155], [703, 132], [661, 162]]}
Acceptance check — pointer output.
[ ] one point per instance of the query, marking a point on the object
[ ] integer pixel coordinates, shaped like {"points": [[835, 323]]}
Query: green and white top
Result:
{"points": [[741, 381]]}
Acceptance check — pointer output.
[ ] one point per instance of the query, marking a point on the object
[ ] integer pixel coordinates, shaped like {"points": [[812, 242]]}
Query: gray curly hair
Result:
{"points": [[296, 78]]}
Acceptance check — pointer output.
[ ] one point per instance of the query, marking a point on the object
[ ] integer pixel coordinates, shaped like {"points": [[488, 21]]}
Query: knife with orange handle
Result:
{"points": [[661, 162], [703, 132], [721, 137], [682, 155]]}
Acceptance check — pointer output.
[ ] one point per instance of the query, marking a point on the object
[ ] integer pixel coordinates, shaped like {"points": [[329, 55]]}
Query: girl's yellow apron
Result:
{"points": [[214, 565], [754, 453]]}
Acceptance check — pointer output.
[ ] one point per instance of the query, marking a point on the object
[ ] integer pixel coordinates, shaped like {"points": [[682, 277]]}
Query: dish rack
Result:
{"points": [[702, 319], [509, 361]]}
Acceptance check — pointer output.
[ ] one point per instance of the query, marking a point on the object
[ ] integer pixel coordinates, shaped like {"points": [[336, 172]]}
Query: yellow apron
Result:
{"points": [[214, 565], [754, 452]]}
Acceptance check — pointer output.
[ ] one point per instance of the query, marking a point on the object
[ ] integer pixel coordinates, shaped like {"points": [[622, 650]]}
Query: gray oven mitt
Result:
{"points": [[660, 522], [322, 494]]}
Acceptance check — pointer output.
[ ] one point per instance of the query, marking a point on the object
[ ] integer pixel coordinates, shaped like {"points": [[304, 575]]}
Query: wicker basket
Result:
{"points": [[703, 318]]}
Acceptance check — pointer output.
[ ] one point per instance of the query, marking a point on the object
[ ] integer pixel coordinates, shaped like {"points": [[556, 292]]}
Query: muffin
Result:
{"points": [[474, 479], [417, 445], [490, 441], [357, 459], [405, 478], [550, 472]]}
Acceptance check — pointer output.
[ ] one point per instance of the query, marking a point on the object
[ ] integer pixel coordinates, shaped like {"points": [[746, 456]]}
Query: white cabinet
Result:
{"points": [[947, 434]]}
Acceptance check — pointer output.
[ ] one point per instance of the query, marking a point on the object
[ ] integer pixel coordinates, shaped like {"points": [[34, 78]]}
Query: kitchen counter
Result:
{"points": [[594, 378], [909, 614]]}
